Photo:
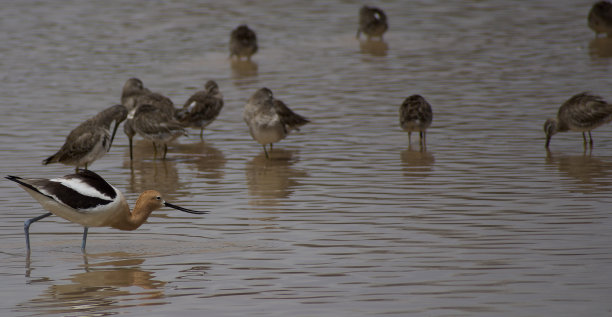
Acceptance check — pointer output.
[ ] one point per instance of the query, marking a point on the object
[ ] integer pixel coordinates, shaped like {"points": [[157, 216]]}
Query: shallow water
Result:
{"points": [[347, 219]]}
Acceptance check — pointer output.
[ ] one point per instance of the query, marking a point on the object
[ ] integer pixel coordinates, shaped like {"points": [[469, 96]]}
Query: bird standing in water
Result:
{"points": [[372, 22], [416, 116], [270, 120], [133, 95], [87, 199], [243, 42], [581, 113], [156, 126], [90, 140], [202, 108]]}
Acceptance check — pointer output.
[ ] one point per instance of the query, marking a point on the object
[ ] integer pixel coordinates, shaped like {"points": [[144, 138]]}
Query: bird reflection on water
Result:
{"points": [[592, 172], [270, 180], [99, 289]]}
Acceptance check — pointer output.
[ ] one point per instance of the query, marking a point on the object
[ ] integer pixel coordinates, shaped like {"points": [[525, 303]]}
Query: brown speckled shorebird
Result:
{"points": [[202, 108], [270, 120], [600, 18], [243, 42], [581, 113], [372, 22], [133, 95], [156, 126], [415, 116], [90, 140]]}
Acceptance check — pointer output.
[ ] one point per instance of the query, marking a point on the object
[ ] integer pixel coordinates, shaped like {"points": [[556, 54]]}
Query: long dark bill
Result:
{"points": [[113, 135], [185, 209]]}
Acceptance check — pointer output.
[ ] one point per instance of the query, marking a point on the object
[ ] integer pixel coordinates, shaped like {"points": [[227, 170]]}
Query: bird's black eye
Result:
{"points": [[158, 197]]}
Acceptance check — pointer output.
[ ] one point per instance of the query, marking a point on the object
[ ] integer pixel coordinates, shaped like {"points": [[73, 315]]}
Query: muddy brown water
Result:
{"points": [[347, 219]]}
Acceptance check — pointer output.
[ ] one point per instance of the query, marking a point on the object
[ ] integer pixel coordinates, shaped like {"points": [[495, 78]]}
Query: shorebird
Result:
{"points": [[135, 94], [270, 120], [243, 42], [156, 126], [415, 116], [90, 140], [372, 22], [202, 108], [600, 18], [87, 199], [581, 113]]}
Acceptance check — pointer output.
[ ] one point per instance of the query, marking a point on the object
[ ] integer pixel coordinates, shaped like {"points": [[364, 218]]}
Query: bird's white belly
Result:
{"points": [[97, 152], [97, 217], [266, 134]]}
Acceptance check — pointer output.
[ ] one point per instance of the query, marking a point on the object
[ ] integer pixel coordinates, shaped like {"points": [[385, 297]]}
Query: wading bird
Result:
{"points": [[87, 199], [90, 140]]}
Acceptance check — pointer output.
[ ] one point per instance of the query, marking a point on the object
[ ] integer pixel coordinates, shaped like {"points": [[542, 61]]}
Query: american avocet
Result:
{"points": [[600, 18], [90, 140], [87, 199], [156, 126], [270, 120], [415, 116], [243, 42], [372, 22], [202, 108], [135, 94], [582, 113]]}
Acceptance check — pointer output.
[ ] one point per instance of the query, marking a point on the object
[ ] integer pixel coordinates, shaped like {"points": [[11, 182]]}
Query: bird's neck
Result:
{"points": [[133, 220]]}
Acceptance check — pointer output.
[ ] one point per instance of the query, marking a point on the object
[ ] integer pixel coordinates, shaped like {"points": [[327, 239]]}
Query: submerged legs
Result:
{"points": [[584, 140], [84, 239], [26, 227]]}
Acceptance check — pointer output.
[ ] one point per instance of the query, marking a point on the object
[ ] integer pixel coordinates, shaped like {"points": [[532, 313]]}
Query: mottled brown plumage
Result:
{"points": [[270, 120], [90, 140], [133, 95], [156, 126], [243, 42], [415, 116], [581, 113], [202, 108], [372, 22]]}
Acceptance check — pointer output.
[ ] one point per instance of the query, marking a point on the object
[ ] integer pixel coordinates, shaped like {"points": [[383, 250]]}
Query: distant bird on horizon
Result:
{"points": [[415, 116], [581, 113], [202, 108], [243, 42], [133, 95], [372, 22], [270, 120], [90, 140], [600, 18]]}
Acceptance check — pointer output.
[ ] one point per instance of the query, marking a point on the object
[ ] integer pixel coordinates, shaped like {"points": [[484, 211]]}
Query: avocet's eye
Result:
{"points": [[158, 197]]}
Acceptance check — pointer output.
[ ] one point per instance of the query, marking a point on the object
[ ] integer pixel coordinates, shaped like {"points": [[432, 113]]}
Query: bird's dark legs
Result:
{"points": [[165, 151], [584, 140], [201, 133], [265, 151], [409, 139], [130, 141], [84, 239], [154, 150], [26, 227], [423, 140]]}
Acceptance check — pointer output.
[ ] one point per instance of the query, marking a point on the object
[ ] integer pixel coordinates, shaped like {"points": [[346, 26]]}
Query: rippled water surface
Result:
{"points": [[347, 219]]}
